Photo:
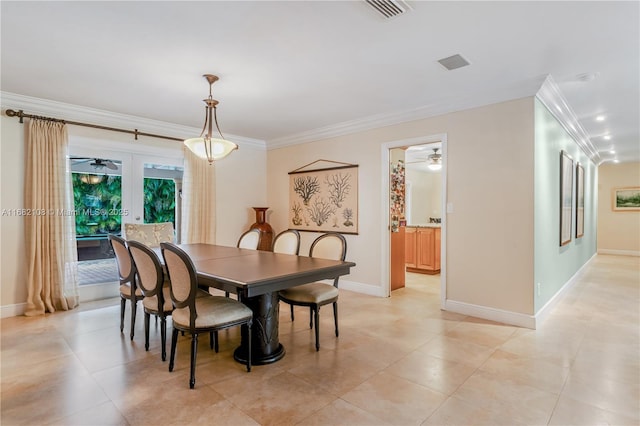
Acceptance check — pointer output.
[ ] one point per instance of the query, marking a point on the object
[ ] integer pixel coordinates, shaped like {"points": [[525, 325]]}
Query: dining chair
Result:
{"points": [[287, 242], [127, 276], [151, 282], [196, 315], [249, 239], [314, 295]]}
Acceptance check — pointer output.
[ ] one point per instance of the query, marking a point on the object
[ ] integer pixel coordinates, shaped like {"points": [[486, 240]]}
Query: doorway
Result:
{"points": [[430, 214], [130, 183]]}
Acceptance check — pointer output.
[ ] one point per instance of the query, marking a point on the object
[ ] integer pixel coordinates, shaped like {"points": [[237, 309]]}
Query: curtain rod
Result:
{"points": [[21, 115]]}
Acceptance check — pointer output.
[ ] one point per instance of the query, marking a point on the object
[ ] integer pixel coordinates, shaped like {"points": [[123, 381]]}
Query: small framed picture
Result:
{"points": [[579, 200], [625, 199], [566, 197]]}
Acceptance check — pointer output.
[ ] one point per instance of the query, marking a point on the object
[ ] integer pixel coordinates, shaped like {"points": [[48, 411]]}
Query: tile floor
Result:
{"points": [[398, 361]]}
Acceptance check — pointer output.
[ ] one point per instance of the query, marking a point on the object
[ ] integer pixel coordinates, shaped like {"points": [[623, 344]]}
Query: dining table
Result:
{"points": [[256, 276]]}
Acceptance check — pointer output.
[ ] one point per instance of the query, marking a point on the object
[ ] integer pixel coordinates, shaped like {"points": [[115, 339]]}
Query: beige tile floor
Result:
{"points": [[398, 361]]}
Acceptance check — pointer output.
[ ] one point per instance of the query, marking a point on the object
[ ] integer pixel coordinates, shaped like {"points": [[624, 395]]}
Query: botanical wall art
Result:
{"points": [[323, 197], [579, 200], [566, 197], [626, 199]]}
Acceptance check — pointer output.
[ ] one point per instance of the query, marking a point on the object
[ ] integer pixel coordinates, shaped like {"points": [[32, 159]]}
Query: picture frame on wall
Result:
{"points": [[323, 197], [579, 200], [566, 197], [625, 199]]}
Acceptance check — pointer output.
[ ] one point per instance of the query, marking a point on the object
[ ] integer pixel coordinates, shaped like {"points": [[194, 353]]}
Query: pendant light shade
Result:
{"points": [[207, 146]]}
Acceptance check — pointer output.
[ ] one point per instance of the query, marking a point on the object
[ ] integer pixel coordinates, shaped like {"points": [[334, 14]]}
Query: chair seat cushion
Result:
{"points": [[213, 311], [125, 290], [316, 293], [151, 303]]}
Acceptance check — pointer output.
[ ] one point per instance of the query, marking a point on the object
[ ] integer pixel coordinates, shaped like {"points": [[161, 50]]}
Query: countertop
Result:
{"points": [[425, 225]]}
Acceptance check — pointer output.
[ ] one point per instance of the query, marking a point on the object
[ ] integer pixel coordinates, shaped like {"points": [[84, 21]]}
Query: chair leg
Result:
{"points": [[134, 307], [213, 341], [123, 302], [249, 325], [311, 317], [174, 342], [335, 316], [163, 337], [146, 330], [291, 306], [194, 351], [317, 318]]}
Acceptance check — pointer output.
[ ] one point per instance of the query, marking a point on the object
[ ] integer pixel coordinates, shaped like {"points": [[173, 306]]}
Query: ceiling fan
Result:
{"points": [[434, 160], [96, 163]]}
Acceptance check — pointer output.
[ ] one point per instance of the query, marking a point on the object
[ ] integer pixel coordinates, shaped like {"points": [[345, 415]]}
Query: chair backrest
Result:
{"points": [[151, 234], [183, 279], [287, 242], [149, 270], [249, 240], [126, 270], [329, 246]]}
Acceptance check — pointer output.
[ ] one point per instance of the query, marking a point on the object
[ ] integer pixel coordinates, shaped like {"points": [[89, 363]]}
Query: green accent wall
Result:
{"points": [[555, 265]]}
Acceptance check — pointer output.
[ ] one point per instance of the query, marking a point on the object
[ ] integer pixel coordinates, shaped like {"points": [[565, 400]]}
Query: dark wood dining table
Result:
{"points": [[256, 277]]}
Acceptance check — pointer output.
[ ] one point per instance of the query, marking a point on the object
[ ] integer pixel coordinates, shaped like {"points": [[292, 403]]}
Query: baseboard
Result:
{"points": [[7, 311], [92, 292], [546, 309], [362, 288], [491, 314], [619, 252]]}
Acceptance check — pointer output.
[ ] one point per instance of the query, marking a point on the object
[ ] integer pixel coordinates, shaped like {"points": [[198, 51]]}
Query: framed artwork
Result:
{"points": [[625, 199], [324, 199], [566, 197], [579, 200]]}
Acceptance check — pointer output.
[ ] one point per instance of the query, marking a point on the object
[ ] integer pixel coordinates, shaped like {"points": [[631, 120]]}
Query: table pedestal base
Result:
{"points": [[265, 346]]}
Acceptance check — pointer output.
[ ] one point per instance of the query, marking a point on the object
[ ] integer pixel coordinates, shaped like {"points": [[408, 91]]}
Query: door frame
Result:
{"points": [[385, 267]]}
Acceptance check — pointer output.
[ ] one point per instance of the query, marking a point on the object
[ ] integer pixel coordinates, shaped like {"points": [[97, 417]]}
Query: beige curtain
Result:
{"points": [[198, 200], [49, 225]]}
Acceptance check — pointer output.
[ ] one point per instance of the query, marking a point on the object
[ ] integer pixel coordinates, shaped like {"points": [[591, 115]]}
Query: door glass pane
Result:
{"points": [[162, 188], [97, 197]]}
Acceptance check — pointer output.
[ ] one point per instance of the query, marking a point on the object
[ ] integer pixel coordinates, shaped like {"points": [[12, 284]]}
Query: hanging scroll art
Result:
{"points": [[323, 197]]}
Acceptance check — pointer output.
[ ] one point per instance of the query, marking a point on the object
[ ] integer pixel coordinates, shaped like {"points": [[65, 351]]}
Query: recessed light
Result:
{"points": [[600, 118], [613, 151], [607, 137]]}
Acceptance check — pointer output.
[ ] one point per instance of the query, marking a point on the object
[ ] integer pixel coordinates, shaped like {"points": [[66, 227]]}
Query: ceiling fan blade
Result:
{"points": [[110, 165]]}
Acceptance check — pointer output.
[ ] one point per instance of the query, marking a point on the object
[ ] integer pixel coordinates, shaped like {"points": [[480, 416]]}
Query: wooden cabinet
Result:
{"points": [[397, 258], [422, 250]]}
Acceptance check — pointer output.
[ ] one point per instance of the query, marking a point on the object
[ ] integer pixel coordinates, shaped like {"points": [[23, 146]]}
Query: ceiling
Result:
{"points": [[289, 69]]}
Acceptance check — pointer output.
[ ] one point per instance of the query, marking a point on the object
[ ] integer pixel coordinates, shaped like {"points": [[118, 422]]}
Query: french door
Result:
{"points": [[114, 187]]}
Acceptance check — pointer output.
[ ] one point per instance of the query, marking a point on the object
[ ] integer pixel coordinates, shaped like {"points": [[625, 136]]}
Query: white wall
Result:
{"points": [[426, 195], [555, 265], [489, 234], [240, 184], [618, 231]]}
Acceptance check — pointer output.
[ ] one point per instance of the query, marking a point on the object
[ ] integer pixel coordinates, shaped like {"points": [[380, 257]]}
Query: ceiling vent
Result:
{"points": [[453, 62], [389, 8]]}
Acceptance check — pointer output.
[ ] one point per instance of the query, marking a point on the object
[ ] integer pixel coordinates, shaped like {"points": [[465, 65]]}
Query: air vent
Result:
{"points": [[389, 8], [453, 62]]}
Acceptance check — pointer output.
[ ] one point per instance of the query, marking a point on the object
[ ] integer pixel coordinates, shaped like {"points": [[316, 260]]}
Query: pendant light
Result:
{"points": [[207, 146]]}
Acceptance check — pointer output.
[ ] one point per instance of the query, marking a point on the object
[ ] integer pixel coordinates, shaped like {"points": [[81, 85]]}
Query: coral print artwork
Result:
{"points": [[324, 199]]}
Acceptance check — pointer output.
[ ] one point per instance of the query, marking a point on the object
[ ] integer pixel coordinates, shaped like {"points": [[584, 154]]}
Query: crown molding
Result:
{"points": [[443, 106], [553, 99], [70, 112]]}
